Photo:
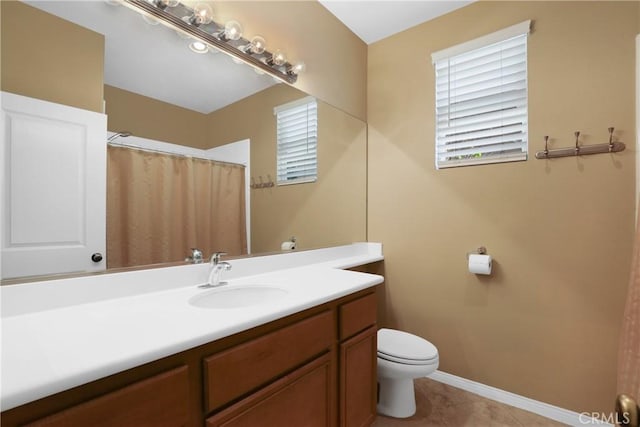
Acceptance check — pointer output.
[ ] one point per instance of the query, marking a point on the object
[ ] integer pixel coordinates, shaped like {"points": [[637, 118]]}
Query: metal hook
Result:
{"points": [[611, 129], [577, 134], [546, 145]]}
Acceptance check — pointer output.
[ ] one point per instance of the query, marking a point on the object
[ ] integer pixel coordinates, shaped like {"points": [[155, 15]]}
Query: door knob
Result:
{"points": [[97, 257], [627, 411]]}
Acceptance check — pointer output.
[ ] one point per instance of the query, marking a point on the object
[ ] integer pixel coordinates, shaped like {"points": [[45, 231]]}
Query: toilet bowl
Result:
{"points": [[401, 358]]}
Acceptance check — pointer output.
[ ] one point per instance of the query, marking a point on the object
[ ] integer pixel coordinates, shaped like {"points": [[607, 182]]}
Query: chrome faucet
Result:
{"points": [[217, 267]]}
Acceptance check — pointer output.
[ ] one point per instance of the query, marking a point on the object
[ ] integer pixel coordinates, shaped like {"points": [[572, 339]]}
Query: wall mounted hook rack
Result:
{"points": [[262, 184], [580, 150]]}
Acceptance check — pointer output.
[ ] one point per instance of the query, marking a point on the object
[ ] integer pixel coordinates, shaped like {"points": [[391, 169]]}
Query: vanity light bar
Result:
{"points": [[175, 17]]}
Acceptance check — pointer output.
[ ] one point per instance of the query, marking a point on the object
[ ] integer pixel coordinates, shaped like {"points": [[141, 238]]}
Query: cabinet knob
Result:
{"points": [[97, 257]]}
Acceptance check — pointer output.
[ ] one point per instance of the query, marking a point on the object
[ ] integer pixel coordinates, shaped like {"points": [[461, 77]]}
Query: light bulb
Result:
{"points": [[232, 31], [202, 14], [257, 45], [198, 47], [278, 58], [297, 68]]}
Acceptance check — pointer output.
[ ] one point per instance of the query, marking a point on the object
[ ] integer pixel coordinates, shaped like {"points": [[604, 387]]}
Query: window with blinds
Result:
{"points": [[481, 100], [297, 141]]}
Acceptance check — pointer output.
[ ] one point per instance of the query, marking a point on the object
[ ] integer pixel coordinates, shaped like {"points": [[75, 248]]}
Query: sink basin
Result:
{"points": [[237, 297]]}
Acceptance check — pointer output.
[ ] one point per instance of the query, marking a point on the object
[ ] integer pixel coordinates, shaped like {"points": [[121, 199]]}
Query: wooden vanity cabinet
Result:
{"points": [[313, 368], [358, 361]]}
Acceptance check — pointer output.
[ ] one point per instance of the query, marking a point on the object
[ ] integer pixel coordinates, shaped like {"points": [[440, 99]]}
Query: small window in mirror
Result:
{"points": [[297, 141]]}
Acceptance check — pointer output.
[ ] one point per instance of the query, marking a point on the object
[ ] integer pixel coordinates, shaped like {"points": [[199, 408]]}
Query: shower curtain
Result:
{"points": [[159, 206], [629, 351]]}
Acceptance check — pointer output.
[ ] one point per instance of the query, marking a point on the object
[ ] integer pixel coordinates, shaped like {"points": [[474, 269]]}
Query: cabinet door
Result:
{"points": [[160, 401], [53, 192], [303, 398], [358, 379]]}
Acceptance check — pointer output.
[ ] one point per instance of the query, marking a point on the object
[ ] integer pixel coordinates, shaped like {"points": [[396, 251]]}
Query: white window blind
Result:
{"points": [[481, 100], [297, 137]]}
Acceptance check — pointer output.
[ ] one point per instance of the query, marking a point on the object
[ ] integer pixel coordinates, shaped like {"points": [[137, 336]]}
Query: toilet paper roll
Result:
{"points": [[480, 264], [288, 246]]}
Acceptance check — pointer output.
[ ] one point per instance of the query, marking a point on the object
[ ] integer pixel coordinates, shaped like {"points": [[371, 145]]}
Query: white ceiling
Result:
{"points": [[154, 61], [373, 20]]}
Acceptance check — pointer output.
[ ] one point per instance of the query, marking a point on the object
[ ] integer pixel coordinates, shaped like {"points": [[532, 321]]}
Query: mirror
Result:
{"points": [[200, 101]]}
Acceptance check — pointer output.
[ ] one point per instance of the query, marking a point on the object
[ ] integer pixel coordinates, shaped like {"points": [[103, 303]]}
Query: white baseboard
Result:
{"points": [[544, 409]]}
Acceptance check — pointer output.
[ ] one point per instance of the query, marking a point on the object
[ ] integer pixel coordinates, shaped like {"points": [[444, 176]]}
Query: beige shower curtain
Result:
{"points": [[629, 352], [159, 206]]}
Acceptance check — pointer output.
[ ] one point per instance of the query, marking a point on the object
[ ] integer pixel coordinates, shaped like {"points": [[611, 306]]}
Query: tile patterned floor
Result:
{"points": [[442, 405]]}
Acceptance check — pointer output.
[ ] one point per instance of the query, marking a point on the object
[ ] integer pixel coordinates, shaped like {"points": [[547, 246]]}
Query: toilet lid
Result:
{"points": [[402, 347], [401, 361]]}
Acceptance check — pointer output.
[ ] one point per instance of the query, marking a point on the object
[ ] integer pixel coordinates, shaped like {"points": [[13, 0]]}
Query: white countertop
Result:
{"points": [[91, 327]]}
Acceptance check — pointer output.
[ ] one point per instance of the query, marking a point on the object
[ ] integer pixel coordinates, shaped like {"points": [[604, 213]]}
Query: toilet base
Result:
{"points": [[397, 397]]}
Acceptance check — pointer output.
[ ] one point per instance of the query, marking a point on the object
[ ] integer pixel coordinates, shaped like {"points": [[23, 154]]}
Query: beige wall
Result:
{"points": [[48, 58], [149, 118], [336, 58], [328, 212], [546, 323]]}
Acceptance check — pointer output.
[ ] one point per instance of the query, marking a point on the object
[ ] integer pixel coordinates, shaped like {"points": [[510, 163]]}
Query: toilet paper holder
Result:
{"points": [[480, 251], [480, 262]]}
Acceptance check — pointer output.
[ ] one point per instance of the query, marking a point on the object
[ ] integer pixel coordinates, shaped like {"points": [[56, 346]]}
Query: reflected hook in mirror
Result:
{"points": [[122, 134]]}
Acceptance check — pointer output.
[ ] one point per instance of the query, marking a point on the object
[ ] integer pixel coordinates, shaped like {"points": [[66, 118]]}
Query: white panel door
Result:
{"points": [[54, 188]]}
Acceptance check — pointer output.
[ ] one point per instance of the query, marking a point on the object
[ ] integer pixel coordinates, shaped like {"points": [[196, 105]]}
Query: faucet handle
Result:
{"points": [[215, 258]]}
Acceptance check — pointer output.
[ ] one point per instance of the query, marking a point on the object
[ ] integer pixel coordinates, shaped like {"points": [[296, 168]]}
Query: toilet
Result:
{"points": [[401, 358]]}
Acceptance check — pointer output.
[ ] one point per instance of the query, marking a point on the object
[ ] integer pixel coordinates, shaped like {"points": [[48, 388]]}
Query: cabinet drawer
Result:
{"points": [[161, 400], [302, 398], [241, 369], [358, 315]]}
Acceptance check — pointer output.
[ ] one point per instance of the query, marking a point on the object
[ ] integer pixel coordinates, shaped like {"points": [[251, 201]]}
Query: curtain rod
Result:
{"points": [[169, 153]]}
